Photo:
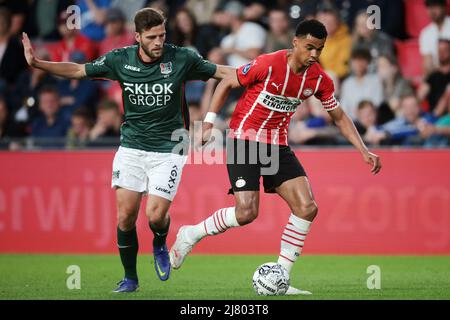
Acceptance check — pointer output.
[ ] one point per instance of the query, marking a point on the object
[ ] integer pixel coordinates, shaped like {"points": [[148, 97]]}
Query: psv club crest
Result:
{"points": [[166, 68], [307, 92]]}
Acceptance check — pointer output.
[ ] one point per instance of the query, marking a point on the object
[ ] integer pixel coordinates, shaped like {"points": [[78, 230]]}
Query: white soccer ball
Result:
{"points": [[271, 279]]}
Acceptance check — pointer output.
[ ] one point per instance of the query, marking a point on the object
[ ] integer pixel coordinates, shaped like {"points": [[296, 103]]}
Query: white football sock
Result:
{"points": [[292, 241], [220, 221]]}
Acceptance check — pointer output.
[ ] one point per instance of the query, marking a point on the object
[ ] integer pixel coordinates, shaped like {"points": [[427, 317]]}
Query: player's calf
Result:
{"points": [[160, 252], [220, 221]]}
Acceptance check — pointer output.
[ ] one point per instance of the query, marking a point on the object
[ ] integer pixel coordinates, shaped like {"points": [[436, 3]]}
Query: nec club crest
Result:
{"points": [[166, 68]]}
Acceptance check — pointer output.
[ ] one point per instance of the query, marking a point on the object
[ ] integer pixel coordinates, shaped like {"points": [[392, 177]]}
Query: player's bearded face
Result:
{"points": [[152, 41], [307, 49]]}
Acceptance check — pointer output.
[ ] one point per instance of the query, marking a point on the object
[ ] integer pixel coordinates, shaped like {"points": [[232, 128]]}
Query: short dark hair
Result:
{"points": [[365, 103], [49, 89], [312, 27], [361, 53], [83, 112], [445, 40], [148, 18], [430, 3]]}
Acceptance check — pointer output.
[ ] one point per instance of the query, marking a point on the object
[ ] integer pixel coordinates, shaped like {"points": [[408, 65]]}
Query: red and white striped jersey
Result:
{"points": [[273, 94]]}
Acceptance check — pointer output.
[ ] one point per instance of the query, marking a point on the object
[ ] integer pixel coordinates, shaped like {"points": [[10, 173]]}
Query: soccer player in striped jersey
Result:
{"points": [[276, 84], [150, 160]]}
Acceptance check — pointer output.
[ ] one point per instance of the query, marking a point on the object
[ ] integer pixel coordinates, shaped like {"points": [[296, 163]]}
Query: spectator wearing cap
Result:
{"points": [[336, 53], [436, 84], [72, 40], [246, 40], [360, 85], [439, 28], [93, 17], [117, 35]]}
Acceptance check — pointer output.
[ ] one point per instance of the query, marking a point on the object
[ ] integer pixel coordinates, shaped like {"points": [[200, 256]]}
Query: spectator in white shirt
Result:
{"points": [[439, 28], [246, 40], [360, 85]]}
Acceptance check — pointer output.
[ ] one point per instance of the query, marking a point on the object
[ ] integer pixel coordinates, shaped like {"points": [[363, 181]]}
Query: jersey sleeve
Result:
{"points": [[200, 69], [102, 67], [252, 72], [325, 93]]}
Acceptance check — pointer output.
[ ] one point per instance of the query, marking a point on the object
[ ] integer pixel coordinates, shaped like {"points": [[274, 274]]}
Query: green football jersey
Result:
{"points": [[156, 113]]}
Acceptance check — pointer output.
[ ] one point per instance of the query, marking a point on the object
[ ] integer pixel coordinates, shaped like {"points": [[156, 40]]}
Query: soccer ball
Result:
{"points": [[271, 279]]}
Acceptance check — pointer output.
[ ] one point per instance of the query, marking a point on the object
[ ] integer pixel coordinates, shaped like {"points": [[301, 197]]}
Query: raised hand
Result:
{"points": [[28, 50]]}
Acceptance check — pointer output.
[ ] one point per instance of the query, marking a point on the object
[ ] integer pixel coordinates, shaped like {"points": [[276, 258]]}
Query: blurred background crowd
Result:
{"points": [[392, 80]]}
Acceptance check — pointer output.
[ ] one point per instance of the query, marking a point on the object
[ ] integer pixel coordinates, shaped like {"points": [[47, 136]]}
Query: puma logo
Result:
{"points": [[276, 86]]}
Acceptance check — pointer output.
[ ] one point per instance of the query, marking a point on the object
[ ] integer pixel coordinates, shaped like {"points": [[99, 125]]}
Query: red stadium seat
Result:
{"points": [[409, 59], [416, 17]]}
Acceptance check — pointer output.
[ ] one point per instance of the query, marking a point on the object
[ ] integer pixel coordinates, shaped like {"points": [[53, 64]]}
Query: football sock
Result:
{"points": [[160, 234], [127, 242], [220, 221], [292, 241]]}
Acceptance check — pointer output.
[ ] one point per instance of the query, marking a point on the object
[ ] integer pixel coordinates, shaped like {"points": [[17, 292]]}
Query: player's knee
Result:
{"points": [[156, 215], [246, 214], [126, 222], [309, 210]]}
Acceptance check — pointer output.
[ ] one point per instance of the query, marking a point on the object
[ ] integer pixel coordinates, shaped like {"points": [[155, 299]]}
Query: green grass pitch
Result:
{"points": [[211, 277]]}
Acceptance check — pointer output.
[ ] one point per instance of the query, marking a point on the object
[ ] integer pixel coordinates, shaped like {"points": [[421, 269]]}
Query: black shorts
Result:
{"points": [[248, 160]]}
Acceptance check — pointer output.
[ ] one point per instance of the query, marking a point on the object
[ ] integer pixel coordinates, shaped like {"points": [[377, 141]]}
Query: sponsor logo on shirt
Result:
{"points": [[278, 103], [145, 94], [100, 61], [173, 175], [128, 67], [162, 190]]}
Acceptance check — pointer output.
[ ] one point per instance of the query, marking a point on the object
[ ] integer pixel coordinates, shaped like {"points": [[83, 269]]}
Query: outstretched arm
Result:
{"points": [[219, 97], [348, 130], [63, 69], [223, 72]]}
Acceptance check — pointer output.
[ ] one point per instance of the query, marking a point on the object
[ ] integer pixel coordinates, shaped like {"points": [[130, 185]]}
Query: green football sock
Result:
{"points": [[127, 242], [160, 234]]}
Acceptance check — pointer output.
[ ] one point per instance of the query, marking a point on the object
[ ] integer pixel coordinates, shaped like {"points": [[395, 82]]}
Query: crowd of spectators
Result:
{"points": [[38, 110]]}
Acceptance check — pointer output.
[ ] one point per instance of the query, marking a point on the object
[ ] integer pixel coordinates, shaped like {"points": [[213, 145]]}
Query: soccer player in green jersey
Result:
{"points": [[150, 160]]}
